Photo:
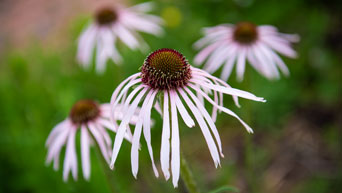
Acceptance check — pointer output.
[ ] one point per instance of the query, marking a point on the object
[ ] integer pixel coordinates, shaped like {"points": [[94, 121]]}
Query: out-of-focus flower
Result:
{"points": [[166, 73], [227, 44], [93, 121], [112, 24]]}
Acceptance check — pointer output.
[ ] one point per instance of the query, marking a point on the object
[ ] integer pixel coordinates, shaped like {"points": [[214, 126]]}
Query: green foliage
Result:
{"points": [[39, 84]]}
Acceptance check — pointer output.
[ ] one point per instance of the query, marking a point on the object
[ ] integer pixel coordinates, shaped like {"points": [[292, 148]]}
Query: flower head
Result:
{"points": [[165, 69], [167, 72], [225, 45], [112, 24], [93, 121]]}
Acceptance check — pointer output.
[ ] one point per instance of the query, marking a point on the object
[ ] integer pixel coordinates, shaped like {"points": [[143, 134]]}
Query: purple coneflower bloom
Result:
{"points": [[227, 44], [111, 24], [166, 73], [93, 120]]}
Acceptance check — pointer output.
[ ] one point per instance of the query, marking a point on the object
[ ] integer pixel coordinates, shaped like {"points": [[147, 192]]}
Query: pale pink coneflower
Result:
{"points": [[227, 44], [112, 24], [166, 73], [93, 121]]}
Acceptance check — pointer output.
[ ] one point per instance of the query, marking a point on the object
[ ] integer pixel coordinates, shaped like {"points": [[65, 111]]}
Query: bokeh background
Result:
{"points": [[296, 147]]}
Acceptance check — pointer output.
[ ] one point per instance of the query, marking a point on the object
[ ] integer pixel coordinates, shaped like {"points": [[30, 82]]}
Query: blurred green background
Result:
{"points": [[296, 147]]}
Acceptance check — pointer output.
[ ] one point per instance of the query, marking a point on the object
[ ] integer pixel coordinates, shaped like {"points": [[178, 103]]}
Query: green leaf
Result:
{"points": [[225, 189]]}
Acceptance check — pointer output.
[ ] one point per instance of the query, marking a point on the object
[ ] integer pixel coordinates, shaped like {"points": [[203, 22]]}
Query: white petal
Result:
{"points": [[203, 125], [147, 129], [165, 141], [175, 152], [198, 73], [205, 52], [271, 59], [249, 129], [268, 65], [122, 128], [86, 44], [113, 128], [70, 160], [280, 62], [142, 7], [207, 117], [281, 48], [219, 56], [85, 152], [119, 88], [183, 112], [141, 23], [227, 69], [99, 140], [233, 91], [214, 111], [135, 149], [126, 36], [137, 134], [114, 102], [241, 63], [56, 131], [130, 97], [56, 146]]}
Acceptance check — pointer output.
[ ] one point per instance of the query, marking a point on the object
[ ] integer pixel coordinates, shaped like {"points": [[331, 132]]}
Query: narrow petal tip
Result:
{"points": [[167, 177]]}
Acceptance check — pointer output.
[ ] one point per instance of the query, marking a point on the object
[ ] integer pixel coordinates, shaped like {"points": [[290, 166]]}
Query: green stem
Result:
{"points": [[108, 172], [249, 146], [187, 176]]}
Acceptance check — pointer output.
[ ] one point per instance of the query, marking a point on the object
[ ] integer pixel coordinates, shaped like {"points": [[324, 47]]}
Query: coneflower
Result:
{"points": [[228, 45], [93, 121], [168, 73], [112, 24]]}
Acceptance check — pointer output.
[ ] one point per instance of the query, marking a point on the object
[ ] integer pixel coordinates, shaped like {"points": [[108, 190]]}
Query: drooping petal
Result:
{"points": [[229, 112], [85, 152], [184, 113], [70, 160], [208, 119], [55, 132], [99, 140], [204, 53], [228, 67], [122, 128], [165, 141], [142, 7], [175, 149], [113, 128], [135, 148], [203, 125], [233, 91], [56, 146], [126, 36], [241, 64], [140, 23], [147, 129], [137, 134], [86, 44], [202, 74]]}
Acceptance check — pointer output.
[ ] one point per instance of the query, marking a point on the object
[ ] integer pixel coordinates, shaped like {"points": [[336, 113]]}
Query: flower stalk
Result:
{"points": [[187, 176], [109, 174]]}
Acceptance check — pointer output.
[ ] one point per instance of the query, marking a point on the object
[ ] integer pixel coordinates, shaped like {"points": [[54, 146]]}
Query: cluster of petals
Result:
{"points": [[125, 27], [94, 131], [201, 87], [219, 48]]}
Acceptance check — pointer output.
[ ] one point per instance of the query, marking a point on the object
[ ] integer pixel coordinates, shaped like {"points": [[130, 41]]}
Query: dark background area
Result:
{"points": [[296, 147]]}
